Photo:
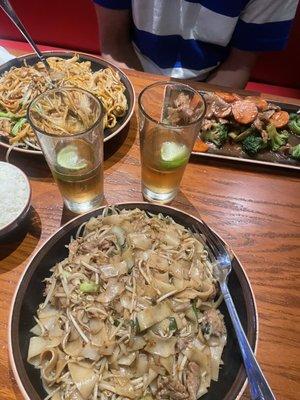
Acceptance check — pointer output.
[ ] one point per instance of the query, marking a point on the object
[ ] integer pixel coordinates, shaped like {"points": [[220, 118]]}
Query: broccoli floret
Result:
{"points": [[217, 134], [294, 123], [277, 139], [295, 152], [253, 144]]}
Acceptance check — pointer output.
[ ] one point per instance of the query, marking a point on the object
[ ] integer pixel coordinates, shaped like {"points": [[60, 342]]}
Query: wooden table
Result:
{"points": [[256, 210]]}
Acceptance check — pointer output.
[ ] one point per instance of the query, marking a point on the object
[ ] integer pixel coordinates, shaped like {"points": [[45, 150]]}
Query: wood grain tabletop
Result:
{"points": [[255, 209]]}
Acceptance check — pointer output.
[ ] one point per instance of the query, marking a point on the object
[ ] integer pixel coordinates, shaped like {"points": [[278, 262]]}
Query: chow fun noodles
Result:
{"points": [[131, 313]]}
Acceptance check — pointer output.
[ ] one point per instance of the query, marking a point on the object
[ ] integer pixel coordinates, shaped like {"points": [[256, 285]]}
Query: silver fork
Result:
{"points": [[259, 387]]}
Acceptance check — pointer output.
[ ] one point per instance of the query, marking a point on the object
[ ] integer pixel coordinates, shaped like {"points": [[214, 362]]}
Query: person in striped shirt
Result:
{"points": [[213, 40]]}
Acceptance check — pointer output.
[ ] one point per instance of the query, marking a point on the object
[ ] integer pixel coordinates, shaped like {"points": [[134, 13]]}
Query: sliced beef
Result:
{"points": [[212, 323], [171, 389], [193, 379]]}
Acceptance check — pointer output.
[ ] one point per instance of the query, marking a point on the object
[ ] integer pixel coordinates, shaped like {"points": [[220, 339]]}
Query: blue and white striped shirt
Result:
{"points": [[189, 38]]}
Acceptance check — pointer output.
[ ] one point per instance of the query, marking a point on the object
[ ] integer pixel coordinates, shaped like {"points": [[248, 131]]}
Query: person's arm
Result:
{"points": [[262, 26], [116, 46], [235, 71]]}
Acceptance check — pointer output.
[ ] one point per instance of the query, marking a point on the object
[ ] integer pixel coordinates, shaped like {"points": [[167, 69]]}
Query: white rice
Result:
{"points": [[14, 193]]}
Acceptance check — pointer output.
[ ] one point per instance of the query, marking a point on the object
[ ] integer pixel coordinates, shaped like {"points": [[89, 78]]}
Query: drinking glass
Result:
{"points": [[170, 115], [72, 143]]}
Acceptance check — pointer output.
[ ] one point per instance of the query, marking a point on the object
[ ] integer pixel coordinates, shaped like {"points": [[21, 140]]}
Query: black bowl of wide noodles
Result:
{"points": [[29, 295]]}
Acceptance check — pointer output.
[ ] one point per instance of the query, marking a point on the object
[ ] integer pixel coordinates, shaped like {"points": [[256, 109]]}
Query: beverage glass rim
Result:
{"points": [[167, 125], [68, 88]]}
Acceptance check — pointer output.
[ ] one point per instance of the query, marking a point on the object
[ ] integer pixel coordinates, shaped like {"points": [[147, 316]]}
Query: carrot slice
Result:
{"points": [[200, 146], [260, 103], [280, 119], [244, 111], [228, 97]]}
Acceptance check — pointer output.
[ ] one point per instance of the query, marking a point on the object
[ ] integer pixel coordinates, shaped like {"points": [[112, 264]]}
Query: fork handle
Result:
{"points": [[259, 387]]}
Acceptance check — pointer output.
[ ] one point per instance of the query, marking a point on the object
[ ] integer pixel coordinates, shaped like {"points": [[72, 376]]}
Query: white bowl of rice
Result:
{"points": [[15, 194]]}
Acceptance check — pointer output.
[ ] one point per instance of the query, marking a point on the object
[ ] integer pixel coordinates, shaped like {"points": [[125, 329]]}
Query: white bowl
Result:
{"points": [[15, 195]]}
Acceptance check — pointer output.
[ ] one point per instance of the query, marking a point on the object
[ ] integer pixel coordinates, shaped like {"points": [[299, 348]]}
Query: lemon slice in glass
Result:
{"points": [[173, 155], [69, 158]]}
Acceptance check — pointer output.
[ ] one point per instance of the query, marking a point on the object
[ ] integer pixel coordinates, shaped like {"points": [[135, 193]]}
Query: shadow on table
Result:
{"points": [[26, 237], [125, 139], [182, 203], [34, 165], [67, 215]]}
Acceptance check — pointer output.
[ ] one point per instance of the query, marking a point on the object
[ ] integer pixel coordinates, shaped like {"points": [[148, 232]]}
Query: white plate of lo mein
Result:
{"points": [[121, 303], [23, 78]]}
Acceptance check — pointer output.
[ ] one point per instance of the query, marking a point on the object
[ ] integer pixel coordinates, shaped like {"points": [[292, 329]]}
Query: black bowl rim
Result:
{"points": [[87, 57], [240, 381]]}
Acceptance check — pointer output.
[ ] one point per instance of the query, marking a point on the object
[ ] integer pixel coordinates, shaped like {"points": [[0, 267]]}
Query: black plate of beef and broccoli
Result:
{"points": [[250, 129]]}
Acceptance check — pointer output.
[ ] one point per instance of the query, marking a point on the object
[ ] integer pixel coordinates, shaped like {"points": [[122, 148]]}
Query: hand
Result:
{"points": [[235, 71], [119, 64]]}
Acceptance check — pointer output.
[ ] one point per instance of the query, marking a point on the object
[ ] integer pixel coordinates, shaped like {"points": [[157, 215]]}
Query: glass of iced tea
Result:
{"points": [[170, 115], [68, 123]]}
